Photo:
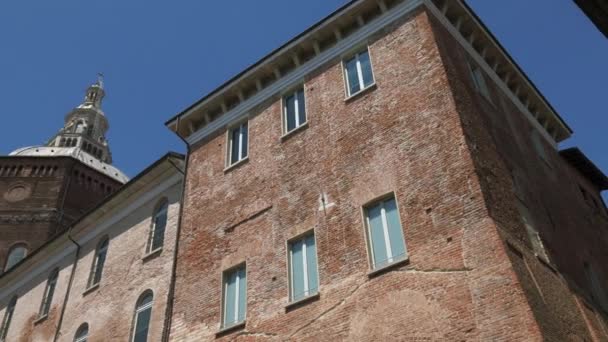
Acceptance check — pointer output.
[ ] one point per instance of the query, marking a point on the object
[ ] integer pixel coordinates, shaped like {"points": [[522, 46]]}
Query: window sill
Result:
{"points": [[237, 164], [41, 319], [152, 255], [388, 267], [361, 92], [226, 330], [302, 301], [294, 131], [92, 288]]}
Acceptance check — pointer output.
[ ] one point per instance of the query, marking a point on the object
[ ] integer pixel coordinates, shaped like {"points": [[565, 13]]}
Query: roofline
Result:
{"points": [[67, 157], [263, 59], [82, 217], [595, 169], [519, 69]]}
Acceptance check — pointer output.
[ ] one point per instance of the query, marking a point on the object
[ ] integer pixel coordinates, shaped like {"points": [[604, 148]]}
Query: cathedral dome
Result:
{"points": [[82, 136], [76, 153]]}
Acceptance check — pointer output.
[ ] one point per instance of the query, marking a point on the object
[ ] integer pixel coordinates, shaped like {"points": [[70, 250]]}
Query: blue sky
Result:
{"points": [[159, 57]]}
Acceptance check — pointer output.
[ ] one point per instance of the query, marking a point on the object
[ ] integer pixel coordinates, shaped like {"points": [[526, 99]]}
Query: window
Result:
{"points": [[82, 333], [238, 140], [16, 254], [47, 299], [359, 75], [235, 296], [294, 110], [143, 313], [539, 146], [159, 223], [384, 233], [8, 316], [479, 81], [303, 277], [98, 262]]}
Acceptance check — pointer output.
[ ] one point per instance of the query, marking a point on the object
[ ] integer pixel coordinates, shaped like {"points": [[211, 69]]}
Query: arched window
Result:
{"points": [[143, 313], [82, 333], [16, 254], [98, 262], [47, 299], [159, 223], [8, 316]]}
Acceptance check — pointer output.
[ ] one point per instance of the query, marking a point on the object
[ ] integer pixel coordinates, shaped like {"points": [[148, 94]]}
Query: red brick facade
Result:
{"points": [[42, 196], [425, 135]]}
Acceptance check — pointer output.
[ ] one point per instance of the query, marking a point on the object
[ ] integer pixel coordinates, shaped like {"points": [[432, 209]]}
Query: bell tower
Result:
{"points": [[45, 188], [85, 126]]}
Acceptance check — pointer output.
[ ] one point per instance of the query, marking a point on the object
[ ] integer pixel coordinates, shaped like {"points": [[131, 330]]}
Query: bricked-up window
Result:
{"points": [[143, 313], [49, 291], [238, 143], [8, 316], [384, 233], [159, 223], [303, 274], [479, 80], [294, 110], [82, 334], [16, 254], [359, 75], [98, 262], [234, 302]]}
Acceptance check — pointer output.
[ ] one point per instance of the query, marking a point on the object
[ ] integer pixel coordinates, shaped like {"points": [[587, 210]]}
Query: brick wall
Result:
{"points": [[404, 136], [513, 173]]}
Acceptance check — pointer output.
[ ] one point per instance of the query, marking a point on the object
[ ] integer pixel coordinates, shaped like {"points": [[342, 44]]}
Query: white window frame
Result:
{"points": [[284, 121], [9, 312], [302, 236], [229, 143], [362, 86], [45, 306], [138, 309], [224, 300], [92, 283], [79, 331], [163, 202], [368, 236]]}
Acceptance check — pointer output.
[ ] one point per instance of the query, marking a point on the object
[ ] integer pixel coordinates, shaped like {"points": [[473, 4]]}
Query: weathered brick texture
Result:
{"points": [[408, 135]]}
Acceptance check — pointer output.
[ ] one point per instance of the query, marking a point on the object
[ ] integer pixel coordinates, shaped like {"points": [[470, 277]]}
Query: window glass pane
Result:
{"points": [[245, 137], [82, 333], [297, 269], [377, 235], [352, 76], [159, 228], [395, 231], [311, 264], [141, 327], [48, 297], [17, 254], [8, 316], [242, 307], [366, 69], [101, 259], [234, 140], [230, 299], [290, 112], [301, 106]]}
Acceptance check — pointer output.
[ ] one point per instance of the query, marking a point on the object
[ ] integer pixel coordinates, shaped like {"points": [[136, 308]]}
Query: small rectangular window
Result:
{"points": [[359, 74], [303, 277], [49, 291], [234, 304], [479, 81], [294, 110], [384, 233], [238, 143]]}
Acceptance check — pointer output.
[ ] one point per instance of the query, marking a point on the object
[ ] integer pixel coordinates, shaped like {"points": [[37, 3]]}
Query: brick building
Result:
{"points": [[107, 277], [46, 188], [389, 174]]}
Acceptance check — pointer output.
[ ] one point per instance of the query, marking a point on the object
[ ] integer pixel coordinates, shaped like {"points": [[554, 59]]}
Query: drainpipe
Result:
{"points": [[67, 292], [171, 292]]}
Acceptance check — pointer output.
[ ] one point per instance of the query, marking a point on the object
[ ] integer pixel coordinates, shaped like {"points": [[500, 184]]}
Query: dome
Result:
{"points": [[76, 153]]}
